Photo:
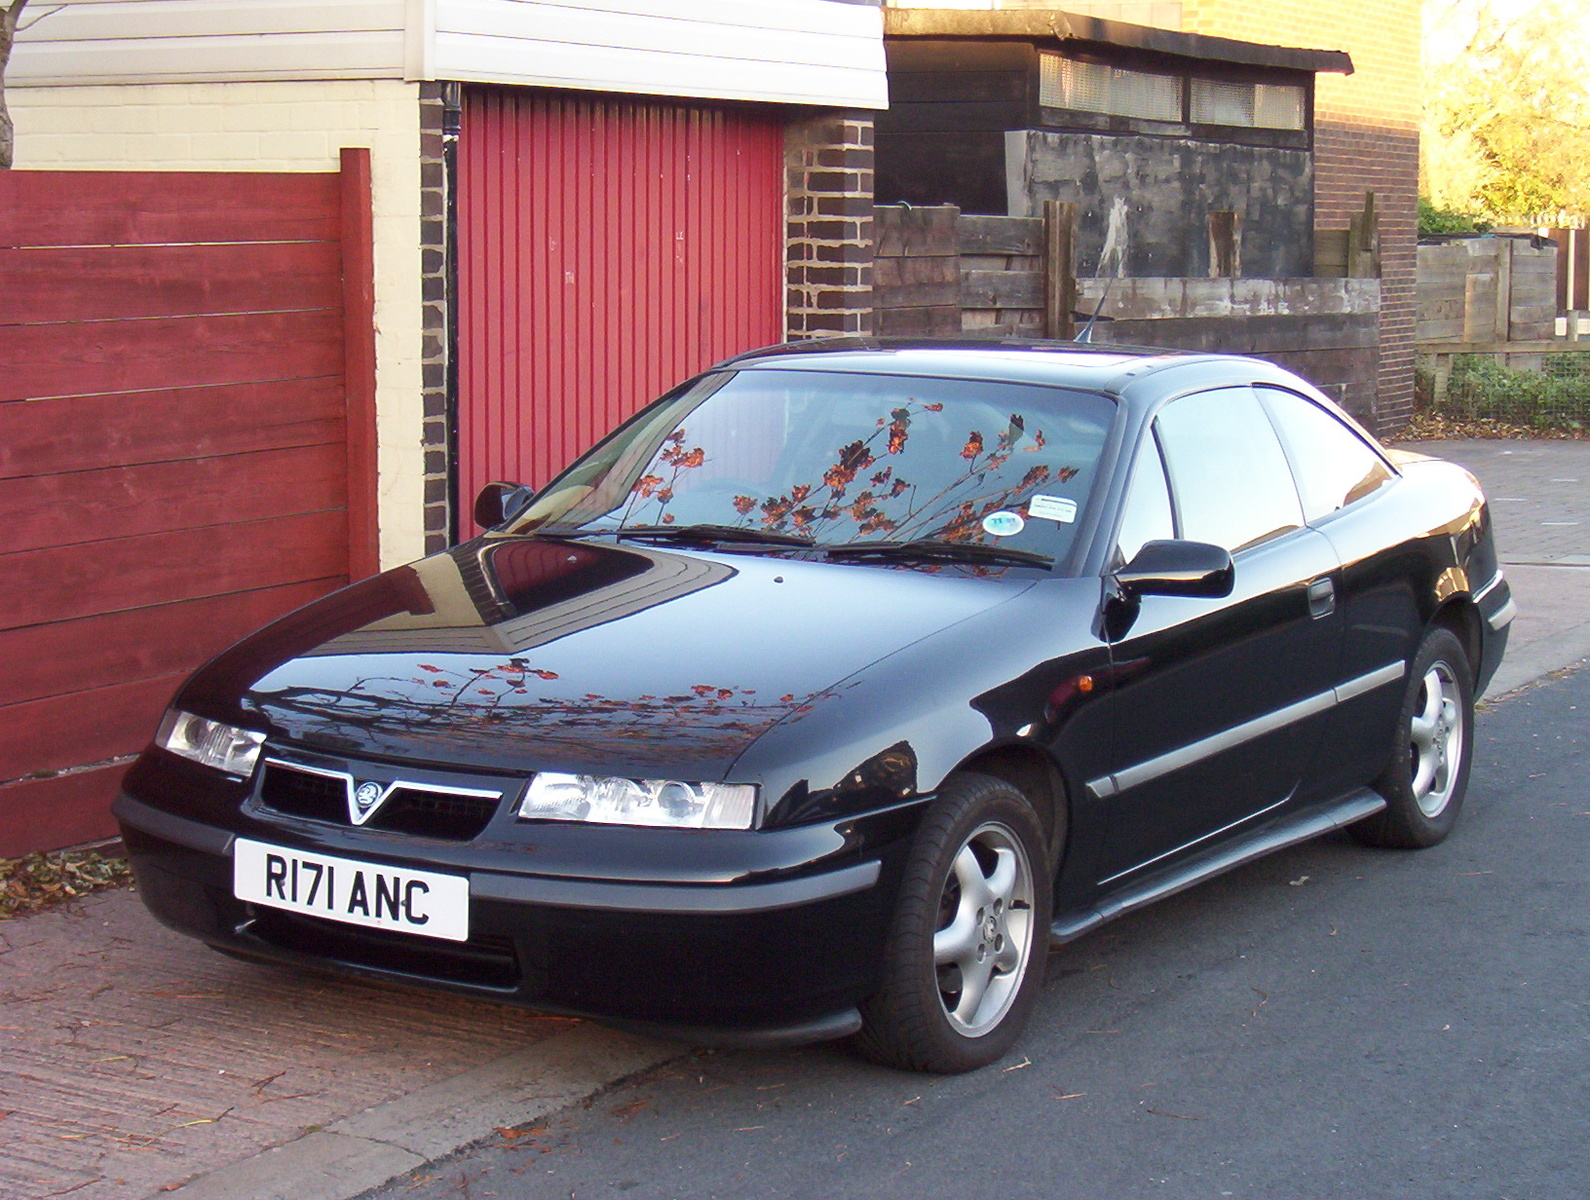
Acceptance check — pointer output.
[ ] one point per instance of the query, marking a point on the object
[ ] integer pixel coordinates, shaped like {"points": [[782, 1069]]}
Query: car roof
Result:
{"points": [[1096, 368]]}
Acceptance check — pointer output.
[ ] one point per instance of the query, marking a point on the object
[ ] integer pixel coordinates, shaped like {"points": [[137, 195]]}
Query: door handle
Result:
{"points": [[1321, 598]]}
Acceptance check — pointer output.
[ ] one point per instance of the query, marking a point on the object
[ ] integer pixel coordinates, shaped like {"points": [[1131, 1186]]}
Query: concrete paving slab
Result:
{"points": [[133, 1060], [366, 1150]]}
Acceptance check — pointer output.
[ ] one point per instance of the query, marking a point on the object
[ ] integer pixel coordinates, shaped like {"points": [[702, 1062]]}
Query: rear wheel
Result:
{"points": [[966, 950], [1429, 770]]}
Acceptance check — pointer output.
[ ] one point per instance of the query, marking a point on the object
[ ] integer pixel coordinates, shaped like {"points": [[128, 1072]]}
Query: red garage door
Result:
{"points": [[185, 451], [608, 248]]}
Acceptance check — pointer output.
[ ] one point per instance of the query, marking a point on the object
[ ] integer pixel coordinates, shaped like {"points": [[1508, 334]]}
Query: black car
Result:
{"points": [[829, 690]]}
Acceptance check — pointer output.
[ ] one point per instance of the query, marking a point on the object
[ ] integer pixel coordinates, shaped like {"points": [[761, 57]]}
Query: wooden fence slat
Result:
{"points": [[1002, 289], [91, 208], [1331, 253], [935, 321], [85, 506], [62, 732], [129, 356], [87, 433], [901, 231], [57, 584], [100, 650], [1059, 279], [100, 283], [64, 811], [1001, 235]]}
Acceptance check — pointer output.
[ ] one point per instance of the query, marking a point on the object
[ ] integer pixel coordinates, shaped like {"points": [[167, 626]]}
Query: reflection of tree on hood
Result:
{"points": [[476, 706]]}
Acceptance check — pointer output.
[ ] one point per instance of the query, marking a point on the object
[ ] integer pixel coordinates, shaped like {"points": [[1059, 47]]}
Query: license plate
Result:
{"points": [[356, 893]]}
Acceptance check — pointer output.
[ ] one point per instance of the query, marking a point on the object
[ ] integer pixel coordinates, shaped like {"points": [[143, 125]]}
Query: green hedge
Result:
{"points": [[1558, 397]]}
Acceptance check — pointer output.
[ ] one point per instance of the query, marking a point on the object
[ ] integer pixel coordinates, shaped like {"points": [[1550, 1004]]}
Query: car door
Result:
{"points": [[1217, 704], [1345, 486]]}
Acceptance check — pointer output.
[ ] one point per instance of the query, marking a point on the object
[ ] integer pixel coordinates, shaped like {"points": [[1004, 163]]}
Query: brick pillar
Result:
{"points": [[439, 107], [828, 246]]}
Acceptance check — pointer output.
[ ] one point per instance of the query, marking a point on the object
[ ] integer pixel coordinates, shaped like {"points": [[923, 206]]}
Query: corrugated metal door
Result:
{"points": [[608, 248]]}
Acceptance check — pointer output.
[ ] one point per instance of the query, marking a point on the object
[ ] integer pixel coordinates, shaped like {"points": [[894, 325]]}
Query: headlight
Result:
{"points": [[224, 747], [556, 797]]}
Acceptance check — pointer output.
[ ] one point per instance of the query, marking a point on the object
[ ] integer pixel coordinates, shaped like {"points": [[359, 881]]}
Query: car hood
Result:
{"points": [[518, 654]]}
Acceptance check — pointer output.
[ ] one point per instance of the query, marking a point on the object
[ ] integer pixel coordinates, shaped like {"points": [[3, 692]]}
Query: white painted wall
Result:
{"points": [[72, 42], [822, 52], [781, 51], [299, 126]]}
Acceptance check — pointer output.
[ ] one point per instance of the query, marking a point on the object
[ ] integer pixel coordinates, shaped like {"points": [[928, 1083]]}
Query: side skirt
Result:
{"points": [[1352, 807]]}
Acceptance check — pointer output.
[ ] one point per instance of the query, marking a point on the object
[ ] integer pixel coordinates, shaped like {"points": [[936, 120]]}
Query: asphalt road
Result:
{"points": [[1330, 1022]]}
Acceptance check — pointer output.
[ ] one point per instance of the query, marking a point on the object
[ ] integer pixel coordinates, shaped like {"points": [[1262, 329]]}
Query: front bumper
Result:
{"points": [[771, 956]]}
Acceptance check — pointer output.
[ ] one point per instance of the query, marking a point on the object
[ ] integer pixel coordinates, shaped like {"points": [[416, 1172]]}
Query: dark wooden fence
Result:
{"points": [[186, 450], [942, 273]]}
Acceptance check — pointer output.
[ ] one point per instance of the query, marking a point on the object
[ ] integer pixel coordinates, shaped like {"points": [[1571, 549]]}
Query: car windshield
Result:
{"points": [[784, 457]]}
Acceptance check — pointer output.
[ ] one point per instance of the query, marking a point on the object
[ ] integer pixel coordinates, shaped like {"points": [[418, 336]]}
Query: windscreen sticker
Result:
{"points": [[1052, 508], [1004, 523]]}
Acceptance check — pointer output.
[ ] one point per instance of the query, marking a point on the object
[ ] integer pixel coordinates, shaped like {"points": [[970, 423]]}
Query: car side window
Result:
{"points": [[1228, 474], [1146, 515], [1333, 465]]}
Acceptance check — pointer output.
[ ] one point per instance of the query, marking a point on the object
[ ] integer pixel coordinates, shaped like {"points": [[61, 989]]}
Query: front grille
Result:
{"points": [[411, 808], [435, 814], [300, 794], [485, 960]]}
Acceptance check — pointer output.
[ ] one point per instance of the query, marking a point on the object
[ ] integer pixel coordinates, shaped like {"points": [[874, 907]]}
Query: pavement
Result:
{"points": [[137, 1063]]}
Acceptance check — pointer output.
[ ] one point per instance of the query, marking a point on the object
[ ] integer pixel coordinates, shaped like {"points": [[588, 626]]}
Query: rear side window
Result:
{"points": [[1230, 478], [1333, 465]]}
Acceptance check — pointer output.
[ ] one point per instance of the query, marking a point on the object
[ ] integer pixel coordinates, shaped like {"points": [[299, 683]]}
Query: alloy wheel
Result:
{"points": [[984, 939]]}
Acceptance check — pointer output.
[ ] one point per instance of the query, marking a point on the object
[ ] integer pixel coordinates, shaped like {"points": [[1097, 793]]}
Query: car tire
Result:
{"points": [[973, 913], [1428, 773]]}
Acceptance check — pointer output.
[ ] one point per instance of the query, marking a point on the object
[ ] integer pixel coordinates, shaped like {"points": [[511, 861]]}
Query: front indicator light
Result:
{"points": [[210, 743], [553, 796]]}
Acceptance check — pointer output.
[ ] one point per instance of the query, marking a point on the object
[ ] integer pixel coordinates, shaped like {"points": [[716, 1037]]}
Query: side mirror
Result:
{"points": [[499, 502], [1178, 569]]}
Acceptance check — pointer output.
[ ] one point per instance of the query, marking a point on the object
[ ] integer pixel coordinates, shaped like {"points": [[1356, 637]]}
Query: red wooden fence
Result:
{"points": [[186, 440]]}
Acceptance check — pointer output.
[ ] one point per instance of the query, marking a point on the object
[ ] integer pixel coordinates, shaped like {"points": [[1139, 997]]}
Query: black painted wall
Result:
{"points": [[1161, 192]]}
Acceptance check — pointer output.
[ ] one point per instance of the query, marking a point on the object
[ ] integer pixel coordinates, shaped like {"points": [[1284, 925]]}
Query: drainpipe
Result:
{"points": [[452, 114]]}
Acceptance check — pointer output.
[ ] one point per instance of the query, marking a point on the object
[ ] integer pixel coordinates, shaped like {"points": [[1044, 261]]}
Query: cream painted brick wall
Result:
{"points": [[294, 126]]}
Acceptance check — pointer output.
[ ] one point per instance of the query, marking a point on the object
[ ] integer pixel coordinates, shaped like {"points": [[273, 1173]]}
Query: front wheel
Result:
{"points": [[966, 950], [1428, 773]]}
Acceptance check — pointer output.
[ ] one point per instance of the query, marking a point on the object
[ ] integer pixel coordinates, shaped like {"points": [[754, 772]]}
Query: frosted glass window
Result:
{"points": [[1219, 102], [1277, 106], [1248, 105], [1097, 87]]}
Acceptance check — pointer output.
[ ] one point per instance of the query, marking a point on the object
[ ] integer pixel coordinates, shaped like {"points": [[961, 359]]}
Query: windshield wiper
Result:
{"points": [[932, 548], [713, 533]]}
